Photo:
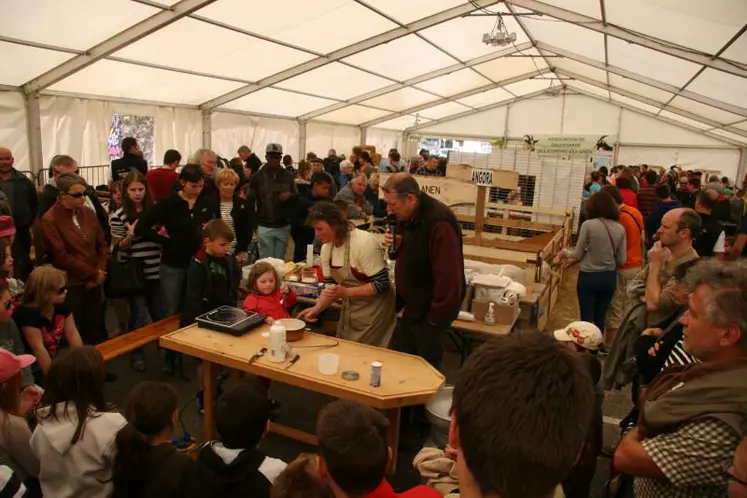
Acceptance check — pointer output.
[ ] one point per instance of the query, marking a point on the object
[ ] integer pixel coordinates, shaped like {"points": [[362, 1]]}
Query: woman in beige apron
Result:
{"points": [[368, 313]]}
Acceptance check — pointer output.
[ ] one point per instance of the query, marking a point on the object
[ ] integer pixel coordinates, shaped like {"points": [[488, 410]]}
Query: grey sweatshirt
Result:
{"points": [[600, 246]]}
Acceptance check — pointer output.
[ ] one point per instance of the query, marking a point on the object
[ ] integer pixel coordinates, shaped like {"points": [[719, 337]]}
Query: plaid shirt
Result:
{"points": [[693, 459]]}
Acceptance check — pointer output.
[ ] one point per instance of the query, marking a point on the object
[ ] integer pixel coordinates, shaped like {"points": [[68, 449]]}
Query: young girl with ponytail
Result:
{"points": [[147, 465]]}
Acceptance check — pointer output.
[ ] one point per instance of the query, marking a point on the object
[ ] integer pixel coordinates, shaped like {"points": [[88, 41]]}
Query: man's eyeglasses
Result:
{"points": [[729, 476], [77, 195]]}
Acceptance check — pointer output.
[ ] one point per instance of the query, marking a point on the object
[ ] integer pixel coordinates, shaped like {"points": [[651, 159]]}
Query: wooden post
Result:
{"points": [[480, 212], [208, 399]]}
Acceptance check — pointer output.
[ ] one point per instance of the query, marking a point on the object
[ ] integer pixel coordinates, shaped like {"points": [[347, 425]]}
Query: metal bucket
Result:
{"points": [[437, 411]]}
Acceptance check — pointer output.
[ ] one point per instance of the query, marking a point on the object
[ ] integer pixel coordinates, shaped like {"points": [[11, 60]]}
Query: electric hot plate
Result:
{"points": [[230, 320]]}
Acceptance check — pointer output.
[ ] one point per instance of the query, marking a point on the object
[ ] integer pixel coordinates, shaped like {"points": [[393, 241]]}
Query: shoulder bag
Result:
{"points": [[126, 275]]}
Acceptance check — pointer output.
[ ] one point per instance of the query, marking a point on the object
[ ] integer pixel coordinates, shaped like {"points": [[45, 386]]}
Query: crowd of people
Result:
{"points": [[526, 414]]}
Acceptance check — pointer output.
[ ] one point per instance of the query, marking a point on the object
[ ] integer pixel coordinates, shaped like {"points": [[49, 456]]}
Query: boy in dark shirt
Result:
{"points": [[234, 467], [211, 281]]}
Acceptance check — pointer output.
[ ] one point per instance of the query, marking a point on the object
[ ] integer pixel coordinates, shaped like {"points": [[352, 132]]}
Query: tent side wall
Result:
{"points": [[13, 128]]}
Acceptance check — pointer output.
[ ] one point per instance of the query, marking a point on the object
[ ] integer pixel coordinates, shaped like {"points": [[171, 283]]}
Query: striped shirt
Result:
{"points": [[679, 356], [148, 251], [225, 215]]}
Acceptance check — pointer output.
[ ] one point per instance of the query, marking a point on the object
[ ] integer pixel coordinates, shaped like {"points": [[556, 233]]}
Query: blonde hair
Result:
{"points": [[226, 175], [259, 269], [41, 282]]}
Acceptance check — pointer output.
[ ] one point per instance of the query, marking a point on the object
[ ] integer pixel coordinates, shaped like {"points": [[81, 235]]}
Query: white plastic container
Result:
{"points": [[277, 343], [328, 363], [490, 315]]}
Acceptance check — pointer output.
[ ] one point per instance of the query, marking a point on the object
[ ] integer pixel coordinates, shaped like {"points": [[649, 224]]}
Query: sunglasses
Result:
{"points": [[77, 195], [729, 476]]}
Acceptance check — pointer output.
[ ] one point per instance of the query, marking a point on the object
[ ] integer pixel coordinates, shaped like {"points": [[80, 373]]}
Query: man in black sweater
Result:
{"points": [[24, 203], [429, 271], [131, 160], [303, 234], [710, 241], [273, 191]]}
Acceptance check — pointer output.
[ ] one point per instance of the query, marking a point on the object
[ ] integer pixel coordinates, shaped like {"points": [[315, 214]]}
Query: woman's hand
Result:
{"points": [[30, 397], [131, 229], [308, 315], [570, 262], [336, 292]]}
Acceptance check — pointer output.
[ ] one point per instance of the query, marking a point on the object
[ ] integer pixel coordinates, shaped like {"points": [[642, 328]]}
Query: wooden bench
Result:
{"points": [[130, 341]]}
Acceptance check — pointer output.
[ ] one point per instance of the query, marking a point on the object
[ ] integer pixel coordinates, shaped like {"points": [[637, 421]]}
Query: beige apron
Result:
{"points": [[368, 320]]}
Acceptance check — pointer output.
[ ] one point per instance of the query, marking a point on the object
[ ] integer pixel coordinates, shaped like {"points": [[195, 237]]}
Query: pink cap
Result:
{"points": [[7, 227], [11, 364]]}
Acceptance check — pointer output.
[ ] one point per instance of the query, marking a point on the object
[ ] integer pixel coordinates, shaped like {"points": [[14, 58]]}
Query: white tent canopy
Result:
{"points": [[668, 77]]}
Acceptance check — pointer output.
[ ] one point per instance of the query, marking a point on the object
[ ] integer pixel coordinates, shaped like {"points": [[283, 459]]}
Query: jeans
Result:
{"points": [[147, 304], [422, 339], [173, 283], [150, 303], [595, 291], [273, 241]]}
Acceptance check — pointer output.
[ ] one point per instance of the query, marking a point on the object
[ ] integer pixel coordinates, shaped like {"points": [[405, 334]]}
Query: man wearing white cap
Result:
{"points": [[585, 338], [272, 192]]}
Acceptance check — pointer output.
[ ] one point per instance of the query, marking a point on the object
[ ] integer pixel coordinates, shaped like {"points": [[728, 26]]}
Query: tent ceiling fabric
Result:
{"points": [[391, 63]]}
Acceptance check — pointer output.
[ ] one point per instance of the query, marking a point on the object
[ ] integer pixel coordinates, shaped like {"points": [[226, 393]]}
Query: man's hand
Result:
{"points": [[653, 332], [242, 258], [656, 253], [101, 277], [284, 196], [388, 238]]}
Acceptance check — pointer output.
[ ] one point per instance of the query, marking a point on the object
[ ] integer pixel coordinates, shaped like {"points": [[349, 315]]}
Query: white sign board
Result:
{"points": [[482, 177], [565, 145]]}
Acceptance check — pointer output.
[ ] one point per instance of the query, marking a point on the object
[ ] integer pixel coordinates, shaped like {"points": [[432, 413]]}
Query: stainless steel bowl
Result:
{"points": [[437, 411]]}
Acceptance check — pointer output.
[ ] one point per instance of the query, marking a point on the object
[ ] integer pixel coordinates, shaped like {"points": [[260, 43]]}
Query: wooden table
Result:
{"points": [[406, 380]]}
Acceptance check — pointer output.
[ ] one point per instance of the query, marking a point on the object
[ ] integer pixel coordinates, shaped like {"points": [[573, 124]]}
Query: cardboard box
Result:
{"points": [[504, 313]]}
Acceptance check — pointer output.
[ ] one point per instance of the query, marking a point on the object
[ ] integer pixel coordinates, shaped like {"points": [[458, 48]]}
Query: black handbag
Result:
{"points": [[125, 276]]}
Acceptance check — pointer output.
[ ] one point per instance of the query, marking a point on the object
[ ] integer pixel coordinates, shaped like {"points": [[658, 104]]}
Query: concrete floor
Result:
{"points": [[299, 408]]}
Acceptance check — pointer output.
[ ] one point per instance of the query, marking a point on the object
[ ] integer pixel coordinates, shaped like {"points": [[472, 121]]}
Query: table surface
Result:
{"points": [[405, 380]]}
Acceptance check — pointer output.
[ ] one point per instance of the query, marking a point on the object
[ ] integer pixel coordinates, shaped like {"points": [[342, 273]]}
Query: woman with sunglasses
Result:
{"points": [[77, 245], [46, 323]]}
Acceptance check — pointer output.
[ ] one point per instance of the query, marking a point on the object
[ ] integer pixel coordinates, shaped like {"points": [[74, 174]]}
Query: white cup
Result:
{"points": [[328, 363]]}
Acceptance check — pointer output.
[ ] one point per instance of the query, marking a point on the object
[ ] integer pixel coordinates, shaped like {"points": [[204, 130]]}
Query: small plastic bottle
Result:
{"points": [[277, 343], [375, 374], [490, 315]]}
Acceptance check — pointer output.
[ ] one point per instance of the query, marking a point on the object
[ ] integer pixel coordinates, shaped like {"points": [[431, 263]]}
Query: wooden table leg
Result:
{"points": [[208, 399], [394, 415]]}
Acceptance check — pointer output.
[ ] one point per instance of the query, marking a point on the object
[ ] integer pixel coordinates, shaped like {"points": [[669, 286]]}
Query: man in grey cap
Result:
{"points": [[272, 192]]}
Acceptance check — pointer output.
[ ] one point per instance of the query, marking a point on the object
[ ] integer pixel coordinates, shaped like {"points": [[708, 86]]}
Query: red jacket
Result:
{"points": [[629, 197], [385, 491], [270, 304]]}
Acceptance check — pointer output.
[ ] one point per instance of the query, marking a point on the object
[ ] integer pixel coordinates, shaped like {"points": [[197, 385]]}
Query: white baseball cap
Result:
{"points": [[585, 334]]}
